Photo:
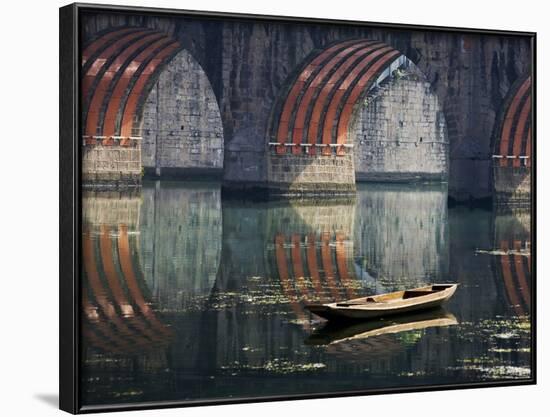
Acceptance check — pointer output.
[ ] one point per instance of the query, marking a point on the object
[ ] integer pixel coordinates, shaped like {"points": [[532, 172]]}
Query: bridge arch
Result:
{"points": [[314, 115], [118, 67], [512, 146], [317, 114], [122, 69]]}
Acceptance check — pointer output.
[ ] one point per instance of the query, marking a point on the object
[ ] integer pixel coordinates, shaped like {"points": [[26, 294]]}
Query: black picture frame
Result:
{"points": [[71, 210]]}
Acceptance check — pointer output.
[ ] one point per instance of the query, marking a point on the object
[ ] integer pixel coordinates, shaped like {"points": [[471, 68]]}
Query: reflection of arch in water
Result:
{"points": [[512, 259], [390, 237], [117, 312], [514, 266], [310, 253], [314, 266]]}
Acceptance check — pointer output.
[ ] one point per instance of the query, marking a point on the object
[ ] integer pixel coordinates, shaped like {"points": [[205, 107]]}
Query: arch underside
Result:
{"points": [[514, 140], [318, 110], [118, 70]]}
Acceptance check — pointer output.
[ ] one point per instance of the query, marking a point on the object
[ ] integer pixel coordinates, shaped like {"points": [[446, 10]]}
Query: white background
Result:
{"points": [[29, 205]]}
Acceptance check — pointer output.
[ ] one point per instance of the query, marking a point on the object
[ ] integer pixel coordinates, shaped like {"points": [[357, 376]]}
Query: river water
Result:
{"points": [[188, 296]]}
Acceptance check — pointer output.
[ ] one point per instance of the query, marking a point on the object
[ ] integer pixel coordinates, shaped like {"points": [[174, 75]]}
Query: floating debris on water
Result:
{"points": [[501, 252], [277, 366], [510, 350], [498, 372], [508, 335]]}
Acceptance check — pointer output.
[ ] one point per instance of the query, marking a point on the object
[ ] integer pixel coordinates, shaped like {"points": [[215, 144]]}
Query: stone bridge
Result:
{"points": [[300, 108]]}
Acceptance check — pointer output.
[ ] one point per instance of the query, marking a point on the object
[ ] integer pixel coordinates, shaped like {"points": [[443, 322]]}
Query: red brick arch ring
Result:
{"points": [[513, 140], [318, 108], [119, 69]]}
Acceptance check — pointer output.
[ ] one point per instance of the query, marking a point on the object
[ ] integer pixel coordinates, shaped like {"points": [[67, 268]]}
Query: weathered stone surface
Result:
{"points": [[400, 132], [182, 127], [111, 165], [310, 174]]}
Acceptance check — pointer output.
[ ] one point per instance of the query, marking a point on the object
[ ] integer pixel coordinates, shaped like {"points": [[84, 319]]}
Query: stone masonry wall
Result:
{"points": [[400, 132], [182, 128], [111, 165], [290, 174]]}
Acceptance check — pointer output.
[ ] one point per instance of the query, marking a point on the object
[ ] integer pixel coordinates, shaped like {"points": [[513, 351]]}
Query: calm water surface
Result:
{"points": [[189, 296]]}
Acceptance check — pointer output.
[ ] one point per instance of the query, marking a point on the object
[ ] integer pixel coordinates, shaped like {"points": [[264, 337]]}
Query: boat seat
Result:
{"points": [[358, 303], [416, 293]]}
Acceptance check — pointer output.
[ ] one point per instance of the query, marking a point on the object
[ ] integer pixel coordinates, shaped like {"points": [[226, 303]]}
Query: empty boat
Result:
{"points": [[399, 302]]}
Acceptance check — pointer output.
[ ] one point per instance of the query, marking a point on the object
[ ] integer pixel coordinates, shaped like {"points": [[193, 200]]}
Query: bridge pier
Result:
{"points": [[295, 175], [111, 166]]}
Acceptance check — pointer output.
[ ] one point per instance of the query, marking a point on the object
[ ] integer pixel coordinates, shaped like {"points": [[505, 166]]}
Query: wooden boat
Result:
{"points": [[398, 302], [336, 332]]}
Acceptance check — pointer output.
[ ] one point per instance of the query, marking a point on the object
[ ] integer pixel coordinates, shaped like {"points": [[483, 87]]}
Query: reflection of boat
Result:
{"points": [[333, 333], [386, 304]]}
